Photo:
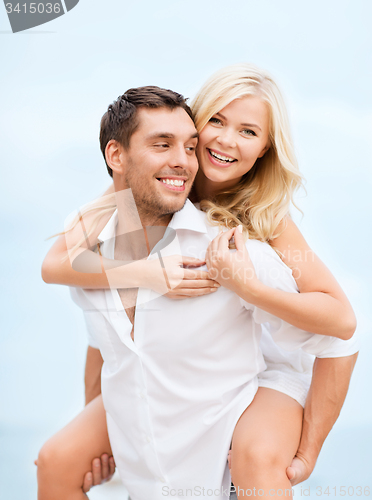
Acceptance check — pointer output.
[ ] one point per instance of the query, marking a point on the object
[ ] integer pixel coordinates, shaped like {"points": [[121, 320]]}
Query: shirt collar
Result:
{"points": [[189, 218], [108, 231]]}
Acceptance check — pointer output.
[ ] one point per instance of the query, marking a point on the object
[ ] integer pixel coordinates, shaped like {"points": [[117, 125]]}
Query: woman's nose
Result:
{"points": [[226, 138]]}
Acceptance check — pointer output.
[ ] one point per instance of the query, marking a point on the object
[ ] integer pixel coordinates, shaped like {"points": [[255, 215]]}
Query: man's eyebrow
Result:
{"points": [[160, 135], [252, 125], [167, 135]]}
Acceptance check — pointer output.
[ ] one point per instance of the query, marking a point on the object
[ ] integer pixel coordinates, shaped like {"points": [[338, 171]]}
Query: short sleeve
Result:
{"points": [[80, 299], [272, 271]]}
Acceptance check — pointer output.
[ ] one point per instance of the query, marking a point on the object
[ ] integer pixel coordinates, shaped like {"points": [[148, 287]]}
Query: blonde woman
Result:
{"points": [[248, 175]]}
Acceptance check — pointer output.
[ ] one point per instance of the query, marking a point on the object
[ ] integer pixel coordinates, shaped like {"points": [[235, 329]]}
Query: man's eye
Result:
{"points": [[248, 131], [163, 145], [191, 148]]}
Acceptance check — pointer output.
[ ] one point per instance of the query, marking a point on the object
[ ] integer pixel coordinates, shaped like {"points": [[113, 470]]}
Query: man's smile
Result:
{"points": [[173, 183]]}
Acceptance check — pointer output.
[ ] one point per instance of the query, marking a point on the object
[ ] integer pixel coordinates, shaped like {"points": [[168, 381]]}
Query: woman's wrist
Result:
{"points": [[252, 291]]}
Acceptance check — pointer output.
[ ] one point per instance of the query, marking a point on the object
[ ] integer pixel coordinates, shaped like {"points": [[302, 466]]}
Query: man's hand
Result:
{"points": [[102, 471], [185, 279], [299, 470]]}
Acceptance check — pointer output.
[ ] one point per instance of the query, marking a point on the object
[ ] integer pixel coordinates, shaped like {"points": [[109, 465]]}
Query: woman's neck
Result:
{"points": [[205, 189]]}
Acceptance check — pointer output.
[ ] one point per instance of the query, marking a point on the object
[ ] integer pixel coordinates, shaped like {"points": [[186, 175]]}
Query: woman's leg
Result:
{"points": [[67, 456], [264, 443]]}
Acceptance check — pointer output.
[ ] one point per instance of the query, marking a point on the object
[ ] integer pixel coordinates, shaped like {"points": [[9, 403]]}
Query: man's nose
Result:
{"points": [[226, 138], [179, 158]]}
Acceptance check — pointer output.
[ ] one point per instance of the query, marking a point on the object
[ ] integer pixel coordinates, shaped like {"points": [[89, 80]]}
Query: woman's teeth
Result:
{"points": [[173, 182], [221, 158]]}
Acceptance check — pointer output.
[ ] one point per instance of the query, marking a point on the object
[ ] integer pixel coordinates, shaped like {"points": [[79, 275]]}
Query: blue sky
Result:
{"points": [[56, 82]]}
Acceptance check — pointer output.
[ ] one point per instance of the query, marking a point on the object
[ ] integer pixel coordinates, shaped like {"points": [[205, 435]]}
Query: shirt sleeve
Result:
{"points": [[272, 271]]}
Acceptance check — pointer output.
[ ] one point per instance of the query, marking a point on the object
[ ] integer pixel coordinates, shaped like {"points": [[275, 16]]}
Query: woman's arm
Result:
{"points": [[84, 268], [321, 297], [321, 307]]}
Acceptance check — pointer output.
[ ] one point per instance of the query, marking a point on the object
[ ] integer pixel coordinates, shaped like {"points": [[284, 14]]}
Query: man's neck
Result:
{"points": [[142, 229]]}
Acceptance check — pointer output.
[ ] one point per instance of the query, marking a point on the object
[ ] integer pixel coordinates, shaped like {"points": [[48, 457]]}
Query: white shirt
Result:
{"points": [[174, 394]]}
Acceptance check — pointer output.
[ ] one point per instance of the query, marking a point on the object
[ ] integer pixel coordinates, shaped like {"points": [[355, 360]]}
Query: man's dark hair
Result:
{"points": [[121, 121]]}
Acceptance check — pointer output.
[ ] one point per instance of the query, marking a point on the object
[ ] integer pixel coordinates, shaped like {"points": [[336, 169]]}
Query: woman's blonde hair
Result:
{"points": [[262, 198]]}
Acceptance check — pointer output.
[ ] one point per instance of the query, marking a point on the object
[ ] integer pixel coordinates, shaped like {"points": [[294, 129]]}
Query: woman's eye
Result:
{"points": [[215, 120], [247, 131]]}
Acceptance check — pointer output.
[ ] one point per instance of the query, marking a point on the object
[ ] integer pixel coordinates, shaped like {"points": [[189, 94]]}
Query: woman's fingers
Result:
{"points": [[238, 238], [223, 241]]}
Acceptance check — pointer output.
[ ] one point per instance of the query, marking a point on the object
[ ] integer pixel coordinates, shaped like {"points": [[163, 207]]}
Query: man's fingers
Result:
{"points": [[88, 482], [192, 262], [105, 466], [291, 474], [97, 471], [190, 274], [112, 466], [187, 293], [197, 284], [298, 471]]}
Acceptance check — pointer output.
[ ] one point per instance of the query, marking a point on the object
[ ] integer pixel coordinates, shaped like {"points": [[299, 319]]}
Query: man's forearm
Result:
{"points": [[330, 383], [92, 377]]}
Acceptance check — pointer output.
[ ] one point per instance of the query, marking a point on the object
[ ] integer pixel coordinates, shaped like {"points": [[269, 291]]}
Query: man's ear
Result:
{"points": [[115, 156]]}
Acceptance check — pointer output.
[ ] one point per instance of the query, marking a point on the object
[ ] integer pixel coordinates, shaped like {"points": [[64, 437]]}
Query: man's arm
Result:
{"points": [[92, 377], [329, 386]]}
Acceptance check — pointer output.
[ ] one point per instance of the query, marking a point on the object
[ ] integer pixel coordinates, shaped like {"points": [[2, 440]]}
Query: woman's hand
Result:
{"points": [[232, 269], [176, 277]]}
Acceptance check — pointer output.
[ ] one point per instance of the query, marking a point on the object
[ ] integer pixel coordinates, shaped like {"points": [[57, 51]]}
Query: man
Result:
{"points": [[176, 376]]}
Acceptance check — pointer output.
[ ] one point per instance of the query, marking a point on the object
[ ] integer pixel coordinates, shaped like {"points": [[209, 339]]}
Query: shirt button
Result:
{"points": [[148, 439], [142, 395]]}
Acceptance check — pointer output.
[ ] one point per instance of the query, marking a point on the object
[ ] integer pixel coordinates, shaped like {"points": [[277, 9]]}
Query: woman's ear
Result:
{"points": [[114, 153], [265, 149]]}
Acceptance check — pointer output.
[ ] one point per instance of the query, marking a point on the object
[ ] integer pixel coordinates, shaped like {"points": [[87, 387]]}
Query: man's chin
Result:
{"points": [[173, 207]]}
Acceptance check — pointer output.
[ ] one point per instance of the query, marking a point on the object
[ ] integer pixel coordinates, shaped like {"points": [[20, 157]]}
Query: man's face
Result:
{"points": [[161, 164]]}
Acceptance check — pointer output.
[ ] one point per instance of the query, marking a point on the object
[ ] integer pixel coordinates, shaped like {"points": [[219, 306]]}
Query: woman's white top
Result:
{"points": [[174, 394]]}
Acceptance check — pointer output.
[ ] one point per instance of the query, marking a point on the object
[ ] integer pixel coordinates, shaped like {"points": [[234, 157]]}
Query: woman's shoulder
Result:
{"points": [[288, 234]]}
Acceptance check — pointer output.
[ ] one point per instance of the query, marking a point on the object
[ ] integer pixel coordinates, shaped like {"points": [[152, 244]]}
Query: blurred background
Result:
{"points": [[56, 82]]}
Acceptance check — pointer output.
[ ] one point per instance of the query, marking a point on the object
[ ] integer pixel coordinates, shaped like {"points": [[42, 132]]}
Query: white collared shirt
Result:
{"points": [[174, 394]]}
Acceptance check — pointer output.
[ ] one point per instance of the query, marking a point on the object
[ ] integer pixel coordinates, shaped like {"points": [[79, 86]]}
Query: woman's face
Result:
{"points": [[233, 139]]}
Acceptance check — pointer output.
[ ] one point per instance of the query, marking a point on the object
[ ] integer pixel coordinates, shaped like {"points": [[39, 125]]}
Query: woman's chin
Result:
{"points": [[219, 177]]}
